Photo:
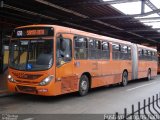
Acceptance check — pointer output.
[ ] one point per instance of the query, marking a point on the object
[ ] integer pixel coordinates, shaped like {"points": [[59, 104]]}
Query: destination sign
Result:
{"points": [[33, 32]]}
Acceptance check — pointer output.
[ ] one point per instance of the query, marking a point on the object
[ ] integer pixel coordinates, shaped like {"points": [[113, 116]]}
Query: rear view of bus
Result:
{"points": [[31, 63]]}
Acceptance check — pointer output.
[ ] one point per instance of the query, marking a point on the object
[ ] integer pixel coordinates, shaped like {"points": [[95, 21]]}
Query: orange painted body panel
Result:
{"points": [[158, 69], [143, 68]]}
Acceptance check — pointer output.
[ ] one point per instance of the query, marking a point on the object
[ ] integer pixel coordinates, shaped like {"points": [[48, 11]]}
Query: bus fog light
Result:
{"points": [[46, 81]]}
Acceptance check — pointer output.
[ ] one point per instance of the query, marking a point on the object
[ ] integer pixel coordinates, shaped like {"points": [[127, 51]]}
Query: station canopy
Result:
{"points": [[131, 20]]}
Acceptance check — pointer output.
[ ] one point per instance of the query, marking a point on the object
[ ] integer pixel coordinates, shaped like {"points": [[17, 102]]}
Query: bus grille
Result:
{"points": [[27, 82], [26, 76]]}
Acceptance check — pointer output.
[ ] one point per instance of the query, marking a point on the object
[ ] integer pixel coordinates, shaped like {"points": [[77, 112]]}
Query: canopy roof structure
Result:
{"points": [[109, 17]]}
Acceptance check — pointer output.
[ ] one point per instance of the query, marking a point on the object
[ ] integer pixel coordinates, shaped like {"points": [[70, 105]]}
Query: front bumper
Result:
{"points": [[28, 89]]}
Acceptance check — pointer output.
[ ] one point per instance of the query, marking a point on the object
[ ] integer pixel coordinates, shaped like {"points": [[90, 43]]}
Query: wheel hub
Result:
{"points": [[84, 85]]}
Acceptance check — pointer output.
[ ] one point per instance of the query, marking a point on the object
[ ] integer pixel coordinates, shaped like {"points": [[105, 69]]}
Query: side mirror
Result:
{"points": [[62, 44], [60, 41]]}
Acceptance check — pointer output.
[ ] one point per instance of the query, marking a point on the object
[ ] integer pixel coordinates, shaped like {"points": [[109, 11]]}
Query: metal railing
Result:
{"points": [[148, 109]]}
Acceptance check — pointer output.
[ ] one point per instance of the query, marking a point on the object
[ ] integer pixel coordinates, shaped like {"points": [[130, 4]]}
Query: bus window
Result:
{"points": [[81, 50], [129, 53], [145, 55], [140, 54], [41, 53], [91, 44], [149, 55], [105, 50], [152, 54], [18, 54], [124, 52], [115, 51], [31, 54], [64, 51], [155, 56], [124, 49], [98, 49]]}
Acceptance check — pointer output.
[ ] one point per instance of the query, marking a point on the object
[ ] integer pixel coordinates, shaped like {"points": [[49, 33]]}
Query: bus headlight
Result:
{"points": [[10, 78], [46, 81]]}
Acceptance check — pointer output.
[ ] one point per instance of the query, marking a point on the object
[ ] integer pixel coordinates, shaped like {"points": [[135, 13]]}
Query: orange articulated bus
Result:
{"points": [[51, 60]]}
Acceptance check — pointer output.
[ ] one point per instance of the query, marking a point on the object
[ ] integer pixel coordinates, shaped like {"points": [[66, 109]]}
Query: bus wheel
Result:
{"points": [[124, 78], [149, 75], [83, 85]]}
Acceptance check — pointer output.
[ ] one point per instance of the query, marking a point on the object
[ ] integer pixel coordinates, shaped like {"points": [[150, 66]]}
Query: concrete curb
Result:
{"points": [[5, 93]]}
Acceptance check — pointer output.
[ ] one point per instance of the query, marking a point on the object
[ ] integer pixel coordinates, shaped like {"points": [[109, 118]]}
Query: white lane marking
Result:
{"points": [[140, 86], [29, 119]]}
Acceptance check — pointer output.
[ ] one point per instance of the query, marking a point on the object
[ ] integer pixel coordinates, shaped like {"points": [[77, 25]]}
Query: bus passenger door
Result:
{"points": [[95, 62], [64, 63]]}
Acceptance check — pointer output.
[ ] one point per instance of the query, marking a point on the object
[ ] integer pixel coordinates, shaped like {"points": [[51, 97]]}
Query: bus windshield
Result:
{"points": [[31, 54]]}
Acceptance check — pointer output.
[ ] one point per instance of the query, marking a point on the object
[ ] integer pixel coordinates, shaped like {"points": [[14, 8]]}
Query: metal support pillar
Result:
{"points": [[158, 48], [143, 6], [1, 41], [1, 52]]}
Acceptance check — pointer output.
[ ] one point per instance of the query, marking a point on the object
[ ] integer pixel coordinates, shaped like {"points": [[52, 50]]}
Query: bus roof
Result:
{"points": [[145, 47], [88, 34], [83, 33], [75, 31]]}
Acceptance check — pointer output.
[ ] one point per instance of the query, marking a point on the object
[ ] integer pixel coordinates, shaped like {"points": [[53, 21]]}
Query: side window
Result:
{"points": [[149, 55], [91, 44], [140, 54], [94, 49], [124, 49], [115, 51], [115, 47], [145, 54], [63, 51], [105, 50], [155, 56], [152, 55], [129, 52], [97, 49], [124, 52], [81, 47]]}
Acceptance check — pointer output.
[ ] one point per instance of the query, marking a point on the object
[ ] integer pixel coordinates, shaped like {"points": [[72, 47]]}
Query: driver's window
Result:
{"points": [[64, 51]]}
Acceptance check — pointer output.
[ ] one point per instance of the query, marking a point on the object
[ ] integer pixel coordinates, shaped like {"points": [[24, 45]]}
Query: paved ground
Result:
{"points": [[99, 101]]}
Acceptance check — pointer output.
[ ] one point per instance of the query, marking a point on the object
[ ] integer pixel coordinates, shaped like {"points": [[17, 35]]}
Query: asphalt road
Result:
{"points": [[102, 100]]}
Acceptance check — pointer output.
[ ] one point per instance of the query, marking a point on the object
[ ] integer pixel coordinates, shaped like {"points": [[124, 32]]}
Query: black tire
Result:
{"points": [[83, 85], [124, 78], [149, 76]]}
